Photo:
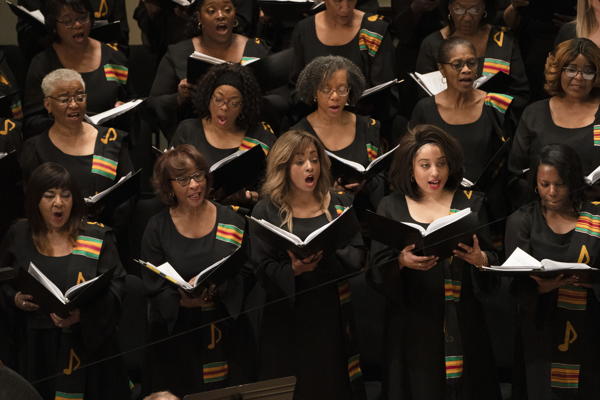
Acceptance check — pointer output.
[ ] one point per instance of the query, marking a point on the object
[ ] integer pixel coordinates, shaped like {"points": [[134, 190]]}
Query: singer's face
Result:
{"points": [[553, 192], [55, 207], [430, 169], [305, 169]]}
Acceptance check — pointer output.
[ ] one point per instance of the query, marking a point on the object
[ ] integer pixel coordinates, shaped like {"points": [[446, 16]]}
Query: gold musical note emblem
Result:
{"points": [[215, 336], [73, 359], [80, 278], [100, 224], [499, 38], [468, 193], [111, 136], [584, 255], [102, 10], [8, 126], [570, 337], [3, 80]]}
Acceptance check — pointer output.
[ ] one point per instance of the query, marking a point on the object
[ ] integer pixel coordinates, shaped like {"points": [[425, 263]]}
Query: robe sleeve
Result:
{"points": [[163, 298], [272, 268], [384, 272], [520, 151], [36, 118], [99, 318]]}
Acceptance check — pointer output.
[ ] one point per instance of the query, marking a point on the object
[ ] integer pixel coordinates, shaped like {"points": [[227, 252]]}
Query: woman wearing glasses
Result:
{"points": [[96, 157], [571, 116], [330, 83], [228, 106], [191, 234], [496, 50], [478, 120], [101, 67]]}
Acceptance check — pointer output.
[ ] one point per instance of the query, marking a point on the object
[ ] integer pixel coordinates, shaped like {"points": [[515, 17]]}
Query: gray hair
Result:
{"points": [[161, 396], [60, 75], [319, 71]]}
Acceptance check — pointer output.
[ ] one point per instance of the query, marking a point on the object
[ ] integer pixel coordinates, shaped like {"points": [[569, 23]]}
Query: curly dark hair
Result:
{"points": [[401, 170], [562, 55], [491, 8], [53, 8], [170, 165], [250, 90], [319, 71], [567, 163]]}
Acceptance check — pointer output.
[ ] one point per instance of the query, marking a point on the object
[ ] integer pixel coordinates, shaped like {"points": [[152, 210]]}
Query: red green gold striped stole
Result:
{"points": [[68, 396], [372, 152], [452, 290], [246, 60], [454, 366], [499, 101], [339, 209], [215, 372], [589, 224], [344, 292], [104, 166], [596, 135], [116, 73], [565, 376], [249, 143], [369, 41], [16, 109], [88, 247], [354, 370], [230, 234], [572, 298], [491, 66]]}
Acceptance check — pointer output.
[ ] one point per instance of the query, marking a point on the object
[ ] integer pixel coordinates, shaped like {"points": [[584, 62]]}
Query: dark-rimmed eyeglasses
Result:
{"points": [[471, 11], [183, 181], [70, 22], [586, 73], [220, 102], [459, 65], [64, 100], [340, 91]]}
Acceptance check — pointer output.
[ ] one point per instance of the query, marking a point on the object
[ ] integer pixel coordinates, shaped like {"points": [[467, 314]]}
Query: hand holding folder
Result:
{"points": [[328, 238], [51, 299], [440, 238]]}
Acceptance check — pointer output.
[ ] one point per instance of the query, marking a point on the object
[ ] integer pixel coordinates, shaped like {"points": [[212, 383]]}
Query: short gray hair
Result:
{"points": [[161, 396], [319, 71], [60, 75]]}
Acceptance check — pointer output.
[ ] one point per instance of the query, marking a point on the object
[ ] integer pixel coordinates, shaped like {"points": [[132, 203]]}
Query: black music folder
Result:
{"points": [[439, 239], [242, 169], [51, 299], [330, 237], [350, 171]]}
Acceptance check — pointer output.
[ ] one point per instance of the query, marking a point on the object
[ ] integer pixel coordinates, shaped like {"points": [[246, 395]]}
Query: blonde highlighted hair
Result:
{"points": [[585, 21], [278, 186]]}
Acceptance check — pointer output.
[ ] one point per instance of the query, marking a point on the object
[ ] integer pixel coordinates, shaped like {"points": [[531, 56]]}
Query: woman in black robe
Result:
{"points": [[308, 332], [103, 69], [68, 250], [559, 318], [571, 116], [96, 157], [213, 35], [437, 340], [496, 48], [191, 234], [329, 83], [228, 106]]}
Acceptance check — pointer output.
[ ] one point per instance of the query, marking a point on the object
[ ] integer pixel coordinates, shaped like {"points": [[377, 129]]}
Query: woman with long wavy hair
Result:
{"points": [[310, 325]]}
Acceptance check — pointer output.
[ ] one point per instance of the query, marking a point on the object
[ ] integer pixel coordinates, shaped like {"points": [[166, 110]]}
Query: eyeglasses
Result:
{"points": [[586, 73], [470, 11], [70, 22], [460, 64], [340, 91], [220, 102], [65, 100], [183, 181]]}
